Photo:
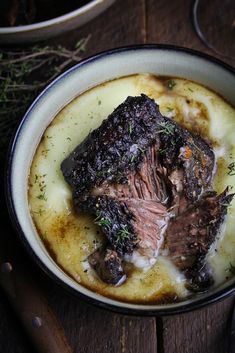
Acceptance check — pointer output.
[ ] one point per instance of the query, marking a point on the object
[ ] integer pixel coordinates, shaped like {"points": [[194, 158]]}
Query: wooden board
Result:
{"points": [[202, 331], [90, 329], [170, 22]]}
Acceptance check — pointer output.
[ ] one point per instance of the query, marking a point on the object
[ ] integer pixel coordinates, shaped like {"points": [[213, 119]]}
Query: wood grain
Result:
{"points": [[202, 331], [13, 339], [170, 22], [27, 298], [122, 24], [94, 330]]}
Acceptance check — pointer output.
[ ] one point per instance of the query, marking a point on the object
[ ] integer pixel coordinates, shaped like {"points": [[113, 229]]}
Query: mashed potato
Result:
{"points": [[70, 238]]}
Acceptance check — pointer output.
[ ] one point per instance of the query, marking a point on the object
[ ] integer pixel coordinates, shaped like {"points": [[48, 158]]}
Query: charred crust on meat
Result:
{"points": [[190, 235], [116, 147], [183, 150], [108, 265], [135, 172], [114, 218]]}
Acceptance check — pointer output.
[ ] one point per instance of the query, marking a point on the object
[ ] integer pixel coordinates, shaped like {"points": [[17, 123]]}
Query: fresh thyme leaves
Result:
{"points": [[68, 138], [119, 177], [42, 196], [230, 269], [171, 84], [166, 128], [231, 169], [133, 158], [190, 89], [226, 204], [141, 149], [81, 44], [24, 73], [123, 234], [169, 109], [101, 221], [162, 150], [104, 172]]}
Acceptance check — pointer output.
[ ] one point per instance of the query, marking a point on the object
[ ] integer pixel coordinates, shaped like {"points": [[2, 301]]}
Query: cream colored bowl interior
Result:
{"points": [[88, 74], [55, 26]]}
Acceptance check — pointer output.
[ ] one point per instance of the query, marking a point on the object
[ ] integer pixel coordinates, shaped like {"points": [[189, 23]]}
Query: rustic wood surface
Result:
{"points": [[90, 329]]}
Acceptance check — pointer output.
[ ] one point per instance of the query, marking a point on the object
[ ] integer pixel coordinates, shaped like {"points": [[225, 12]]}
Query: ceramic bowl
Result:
{"points": [[154, 59], [46, 29]]}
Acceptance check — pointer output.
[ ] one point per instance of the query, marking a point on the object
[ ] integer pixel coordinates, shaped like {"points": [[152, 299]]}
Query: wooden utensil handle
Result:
{"points": [[32, 309]]}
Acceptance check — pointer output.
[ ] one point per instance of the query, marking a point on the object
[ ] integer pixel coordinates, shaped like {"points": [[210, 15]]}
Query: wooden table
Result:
{"points": [[90, 329]]}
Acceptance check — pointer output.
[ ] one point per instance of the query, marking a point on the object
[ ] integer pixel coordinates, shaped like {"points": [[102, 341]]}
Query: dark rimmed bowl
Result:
{"points": [[154, 59], [55, 26]]}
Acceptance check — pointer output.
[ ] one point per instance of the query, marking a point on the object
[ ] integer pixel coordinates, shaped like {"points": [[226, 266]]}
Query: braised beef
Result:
{"points": [[188, 159], [108, 265], [190, 235], [114, 218], [144, 178], [116, 148]]}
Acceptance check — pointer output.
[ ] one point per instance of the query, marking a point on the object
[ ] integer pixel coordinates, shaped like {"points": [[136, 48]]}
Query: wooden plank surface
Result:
{"points": [[170, 22], [202, 331], [90, 329], [122, 24]]}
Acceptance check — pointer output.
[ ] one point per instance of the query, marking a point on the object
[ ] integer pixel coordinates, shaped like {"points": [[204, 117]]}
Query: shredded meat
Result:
{"points": [[146, 180], [190, 235]]}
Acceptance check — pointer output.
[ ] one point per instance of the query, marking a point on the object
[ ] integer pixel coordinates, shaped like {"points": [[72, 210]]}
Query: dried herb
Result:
{"points": [[231, 168], [23, 74], [171, 84], [123, 234], [39, 212], [230, 269], [166, 128], [42, 196], [101, 221]]}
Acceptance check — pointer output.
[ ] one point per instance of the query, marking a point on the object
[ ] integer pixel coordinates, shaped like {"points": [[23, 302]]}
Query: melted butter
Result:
{"points": [[71, 238]]}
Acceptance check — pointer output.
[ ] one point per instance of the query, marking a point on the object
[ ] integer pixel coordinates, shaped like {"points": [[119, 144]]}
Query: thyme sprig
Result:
{"points": [[166, 128], [123, 234], [24, 73], [102, 221]]}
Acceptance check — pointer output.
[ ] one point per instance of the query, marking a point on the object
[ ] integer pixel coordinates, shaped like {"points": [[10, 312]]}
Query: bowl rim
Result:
{"points": [[56, 20], [197, 303]]}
